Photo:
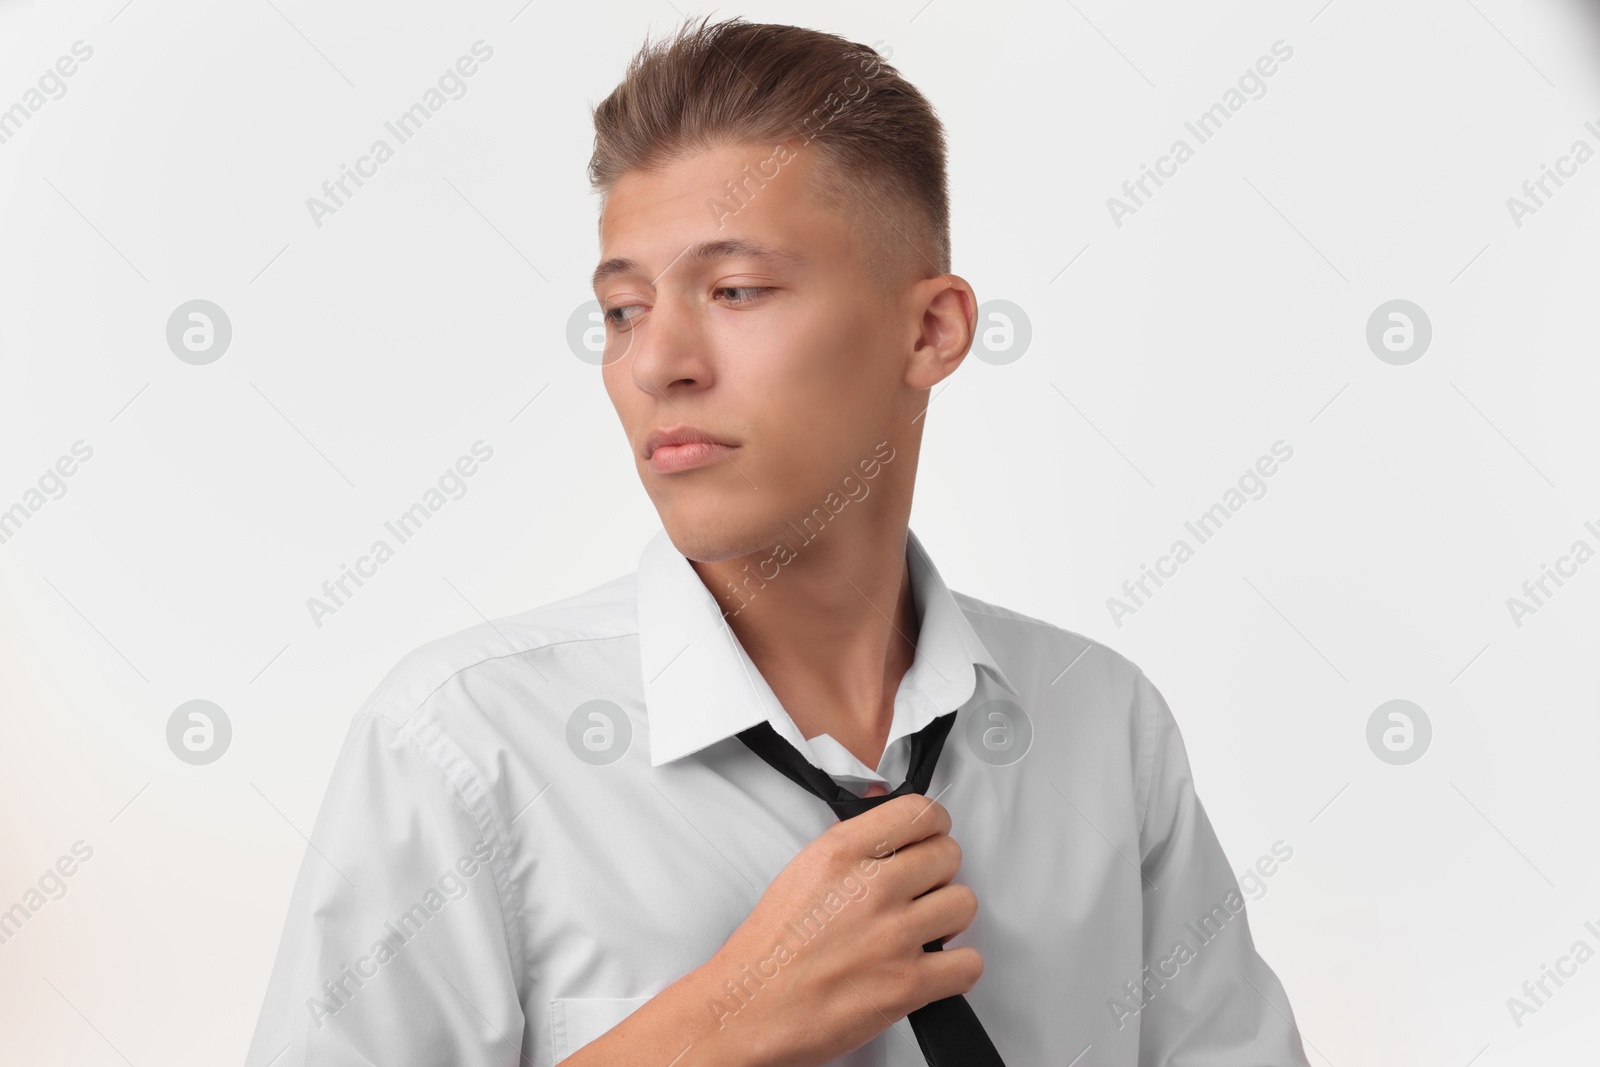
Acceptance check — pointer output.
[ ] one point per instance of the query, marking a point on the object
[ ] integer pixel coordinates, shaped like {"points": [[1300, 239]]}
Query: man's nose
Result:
{"points": [[668, 350]]}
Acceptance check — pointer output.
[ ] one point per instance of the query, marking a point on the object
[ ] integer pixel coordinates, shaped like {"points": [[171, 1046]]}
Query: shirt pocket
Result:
{"points": [[576, 1021]]}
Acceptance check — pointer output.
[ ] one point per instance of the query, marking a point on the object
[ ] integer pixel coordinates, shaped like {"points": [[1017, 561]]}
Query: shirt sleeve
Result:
{"points": [[395, 951], [1206, 996]]}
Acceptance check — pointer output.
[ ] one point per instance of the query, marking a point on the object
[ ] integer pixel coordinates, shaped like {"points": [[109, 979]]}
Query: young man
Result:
{"points": [[568, 834]]}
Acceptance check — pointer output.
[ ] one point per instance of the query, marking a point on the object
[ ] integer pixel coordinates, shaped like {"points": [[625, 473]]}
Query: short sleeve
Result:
{"points": [[1206, 996], [395, 951]]}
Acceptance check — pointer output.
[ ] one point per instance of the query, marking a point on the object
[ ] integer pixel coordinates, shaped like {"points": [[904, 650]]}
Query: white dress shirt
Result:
{"points": [[537, 824]]}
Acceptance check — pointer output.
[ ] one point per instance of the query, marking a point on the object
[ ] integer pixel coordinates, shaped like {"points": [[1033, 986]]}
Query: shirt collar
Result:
{"points": [[700, 686]]}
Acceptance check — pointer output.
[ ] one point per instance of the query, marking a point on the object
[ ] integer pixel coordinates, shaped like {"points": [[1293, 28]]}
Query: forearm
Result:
{"points": [[678, 1027]]}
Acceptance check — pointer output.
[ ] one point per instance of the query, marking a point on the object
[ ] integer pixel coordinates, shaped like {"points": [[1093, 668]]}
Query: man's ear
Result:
{"points": [[949, 312]]}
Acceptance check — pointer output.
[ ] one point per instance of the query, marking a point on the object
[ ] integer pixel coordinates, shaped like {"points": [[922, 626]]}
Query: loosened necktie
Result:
{"points": [[947, 1030]]}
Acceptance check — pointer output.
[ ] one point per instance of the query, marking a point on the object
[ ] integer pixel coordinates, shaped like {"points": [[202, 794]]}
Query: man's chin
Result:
{"points": [[716, 536]]}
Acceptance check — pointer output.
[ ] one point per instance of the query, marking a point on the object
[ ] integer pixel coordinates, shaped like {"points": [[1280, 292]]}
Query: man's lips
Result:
{"points": [[683, 433], [681, 447], [669, 459]]}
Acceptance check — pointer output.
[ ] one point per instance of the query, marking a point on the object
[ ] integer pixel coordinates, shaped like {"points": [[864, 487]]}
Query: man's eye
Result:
{"points": [[747, 294], [616, 316]]}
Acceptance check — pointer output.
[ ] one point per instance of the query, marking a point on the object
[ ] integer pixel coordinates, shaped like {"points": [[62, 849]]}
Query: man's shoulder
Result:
{"points": [[1094, 695], [511, 644], [1025, 645]]}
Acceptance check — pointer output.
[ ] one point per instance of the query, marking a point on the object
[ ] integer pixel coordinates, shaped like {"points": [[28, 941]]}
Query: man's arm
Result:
{"points": [[1205, 994], [396, 948]]}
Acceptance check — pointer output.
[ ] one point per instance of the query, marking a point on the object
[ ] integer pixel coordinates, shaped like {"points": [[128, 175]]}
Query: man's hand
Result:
{"points": [[832, 954]]}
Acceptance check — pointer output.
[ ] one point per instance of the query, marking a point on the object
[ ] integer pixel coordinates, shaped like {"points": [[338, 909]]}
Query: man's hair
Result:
{"points": [[879, 142]]}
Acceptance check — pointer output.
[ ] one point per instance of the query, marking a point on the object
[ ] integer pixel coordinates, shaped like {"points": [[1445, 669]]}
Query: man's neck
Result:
{"points": [[833, 632]]}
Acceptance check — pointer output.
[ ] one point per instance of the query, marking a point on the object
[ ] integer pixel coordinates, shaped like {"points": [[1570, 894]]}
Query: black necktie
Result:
{"points": [[947, 1030]]}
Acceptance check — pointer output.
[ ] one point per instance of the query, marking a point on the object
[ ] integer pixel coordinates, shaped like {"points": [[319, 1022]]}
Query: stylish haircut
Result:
{"points": [[880, 144]]}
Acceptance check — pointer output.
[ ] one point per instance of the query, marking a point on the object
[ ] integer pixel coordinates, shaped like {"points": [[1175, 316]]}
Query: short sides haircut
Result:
{"points": [[880, 144]]}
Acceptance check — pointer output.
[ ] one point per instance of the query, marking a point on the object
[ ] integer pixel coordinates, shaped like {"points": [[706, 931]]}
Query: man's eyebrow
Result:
{"points": [[705, 251]]}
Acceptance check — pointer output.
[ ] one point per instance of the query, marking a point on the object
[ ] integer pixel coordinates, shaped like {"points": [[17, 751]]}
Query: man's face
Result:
{"points": [[793, 361]]}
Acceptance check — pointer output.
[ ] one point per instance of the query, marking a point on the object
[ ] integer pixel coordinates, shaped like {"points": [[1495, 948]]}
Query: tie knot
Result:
{"points": [[926, 744]]}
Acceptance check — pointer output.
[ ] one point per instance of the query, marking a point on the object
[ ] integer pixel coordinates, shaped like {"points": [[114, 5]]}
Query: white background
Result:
{"points": [[1228, 313]]}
